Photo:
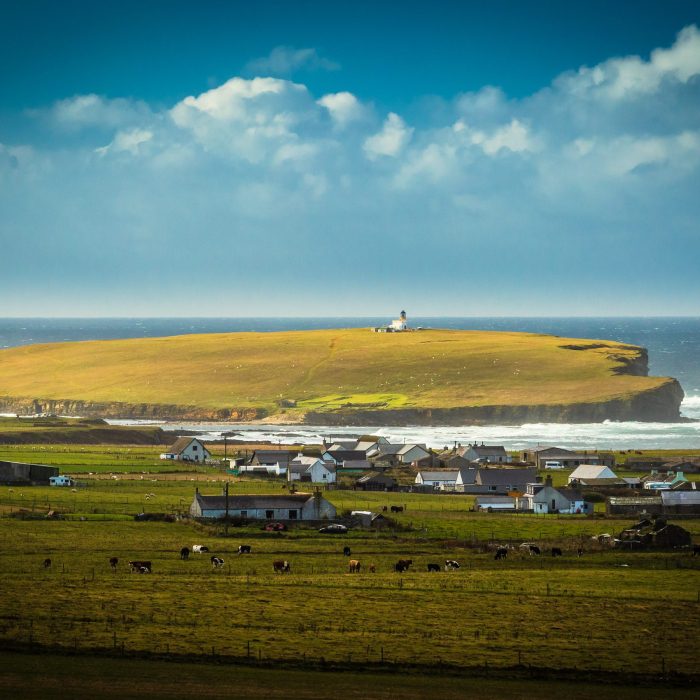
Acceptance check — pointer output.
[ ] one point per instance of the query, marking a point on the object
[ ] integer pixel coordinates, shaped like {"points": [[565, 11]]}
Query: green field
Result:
{"points": [[325, 371]]}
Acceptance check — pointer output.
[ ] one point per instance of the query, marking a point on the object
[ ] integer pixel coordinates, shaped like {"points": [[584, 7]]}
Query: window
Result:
{"points": [[293, 514], [194, 448], [244, 514], [269, 514]]}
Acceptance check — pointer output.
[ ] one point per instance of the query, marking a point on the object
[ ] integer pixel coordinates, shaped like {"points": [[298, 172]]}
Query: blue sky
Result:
{"points": [[308, 158]]}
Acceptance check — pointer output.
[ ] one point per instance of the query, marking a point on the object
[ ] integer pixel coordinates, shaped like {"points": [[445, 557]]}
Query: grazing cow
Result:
{"points": [[397, 509], [346, 551], [47, 563], [354, 566], [141, 567], [217, 562], [579, 551], [433, 567], [200, 548], [501, 553], [185, 553], [280, 567], [451, 565], [556, 552], [372, 569], [113, 563], [384, 509], [244, 549], [534, 549], [402, 565]]}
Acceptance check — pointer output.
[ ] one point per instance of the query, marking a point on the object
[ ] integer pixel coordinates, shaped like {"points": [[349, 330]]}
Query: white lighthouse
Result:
{"points": [[400, 324]]}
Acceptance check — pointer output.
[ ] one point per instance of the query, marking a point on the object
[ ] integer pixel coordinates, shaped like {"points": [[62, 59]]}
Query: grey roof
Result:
{"points": [[356, 464], [494, 499], [487, 449], [468, 474], [439, 475], [253, 502], [273, 456], [343, 455], [571, 494], [680, 498], [408, 447], [181, 444], [504, 477]]}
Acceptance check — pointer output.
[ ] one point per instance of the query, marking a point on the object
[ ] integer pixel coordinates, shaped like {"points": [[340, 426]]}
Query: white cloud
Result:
{"points": [[391, 140], [93, 110], [285, 60], [343, 107], [129, 141]]}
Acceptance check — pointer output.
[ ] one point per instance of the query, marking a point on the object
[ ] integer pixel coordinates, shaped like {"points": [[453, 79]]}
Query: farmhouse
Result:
{"points": [[544, 498], [442, 480], [312, 469], [21, 473], [187, 449], [466, 477], [546, 453], [500, 481], [399, 454], [494, 454], [299, 506]]}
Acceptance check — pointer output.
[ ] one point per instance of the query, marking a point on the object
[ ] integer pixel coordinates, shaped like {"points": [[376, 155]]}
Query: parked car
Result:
{"points": [[552, 464], [334, 529], [274, 527]]}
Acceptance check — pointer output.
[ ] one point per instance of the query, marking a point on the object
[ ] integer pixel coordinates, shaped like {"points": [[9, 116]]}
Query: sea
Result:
{"points": [[673, 344]]}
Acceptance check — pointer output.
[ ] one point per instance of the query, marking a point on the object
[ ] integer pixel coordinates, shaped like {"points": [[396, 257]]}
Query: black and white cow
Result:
{"points": [[501, 553], [244, 549], [217, 562], [451, 565], [200, 548]]}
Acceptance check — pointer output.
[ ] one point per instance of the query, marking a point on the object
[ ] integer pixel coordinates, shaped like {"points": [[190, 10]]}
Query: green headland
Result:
{"points": [[343, 376]]}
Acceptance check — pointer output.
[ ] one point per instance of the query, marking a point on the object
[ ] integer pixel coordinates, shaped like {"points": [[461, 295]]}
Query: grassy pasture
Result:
{"points": [[326, 370], [588, 613]]}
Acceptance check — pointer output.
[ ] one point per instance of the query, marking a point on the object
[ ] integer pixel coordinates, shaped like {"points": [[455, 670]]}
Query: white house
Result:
{"points": [[599, 473], [312, 469], [299, 506], [276, 469], [187, 449], [544, 498], [466, 477], [442, 480]]}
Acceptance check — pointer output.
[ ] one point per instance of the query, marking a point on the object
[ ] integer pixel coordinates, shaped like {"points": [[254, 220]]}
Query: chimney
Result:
{"points": [[548, 480]]}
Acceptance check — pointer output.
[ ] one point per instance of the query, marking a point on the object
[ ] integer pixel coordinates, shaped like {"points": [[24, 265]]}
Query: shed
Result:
{"points": [[299, 506], [491, 503]]}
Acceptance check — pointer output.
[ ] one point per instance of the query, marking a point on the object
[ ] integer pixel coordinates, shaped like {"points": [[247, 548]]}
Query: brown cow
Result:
{"points": [[402, 565], [354, 566], [280, 566], [47, 563]]}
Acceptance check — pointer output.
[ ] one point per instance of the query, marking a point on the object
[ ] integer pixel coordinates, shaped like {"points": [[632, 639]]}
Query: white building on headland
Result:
{"points": [[396, 326]]}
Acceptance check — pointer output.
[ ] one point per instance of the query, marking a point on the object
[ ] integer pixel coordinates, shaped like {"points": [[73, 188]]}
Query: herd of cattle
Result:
{"points": [[354, 566]]}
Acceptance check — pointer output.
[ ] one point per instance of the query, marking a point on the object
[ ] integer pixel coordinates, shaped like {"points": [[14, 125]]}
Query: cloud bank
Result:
{"points": [[259, 197]]}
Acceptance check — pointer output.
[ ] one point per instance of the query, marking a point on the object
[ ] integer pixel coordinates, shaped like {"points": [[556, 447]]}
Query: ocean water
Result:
{"points": [[673, 345]]}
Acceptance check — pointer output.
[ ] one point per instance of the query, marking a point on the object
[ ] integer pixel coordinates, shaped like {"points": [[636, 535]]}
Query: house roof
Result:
{"points": [[181, 444], [592, 471], [253, 502], [407, 448], [467, 475], [343, 445], [343, 455], [273, 456], [505, 477], [356, 464], [439, 475], [486, 449], [680, 498], [375, 476]]}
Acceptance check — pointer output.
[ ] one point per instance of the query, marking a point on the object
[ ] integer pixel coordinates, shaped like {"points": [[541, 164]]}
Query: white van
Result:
{"points": [[550, 464]]}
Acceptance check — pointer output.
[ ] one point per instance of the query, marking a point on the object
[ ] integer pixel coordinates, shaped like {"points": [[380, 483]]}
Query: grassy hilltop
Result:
{"points": [[327, 372]]}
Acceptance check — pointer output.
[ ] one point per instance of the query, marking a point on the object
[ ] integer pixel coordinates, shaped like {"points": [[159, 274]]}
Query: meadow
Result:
{"points": [[330, 370]]}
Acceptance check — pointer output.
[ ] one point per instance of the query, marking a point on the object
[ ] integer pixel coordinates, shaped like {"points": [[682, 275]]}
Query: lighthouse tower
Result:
{"points": [[400, 324]]}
